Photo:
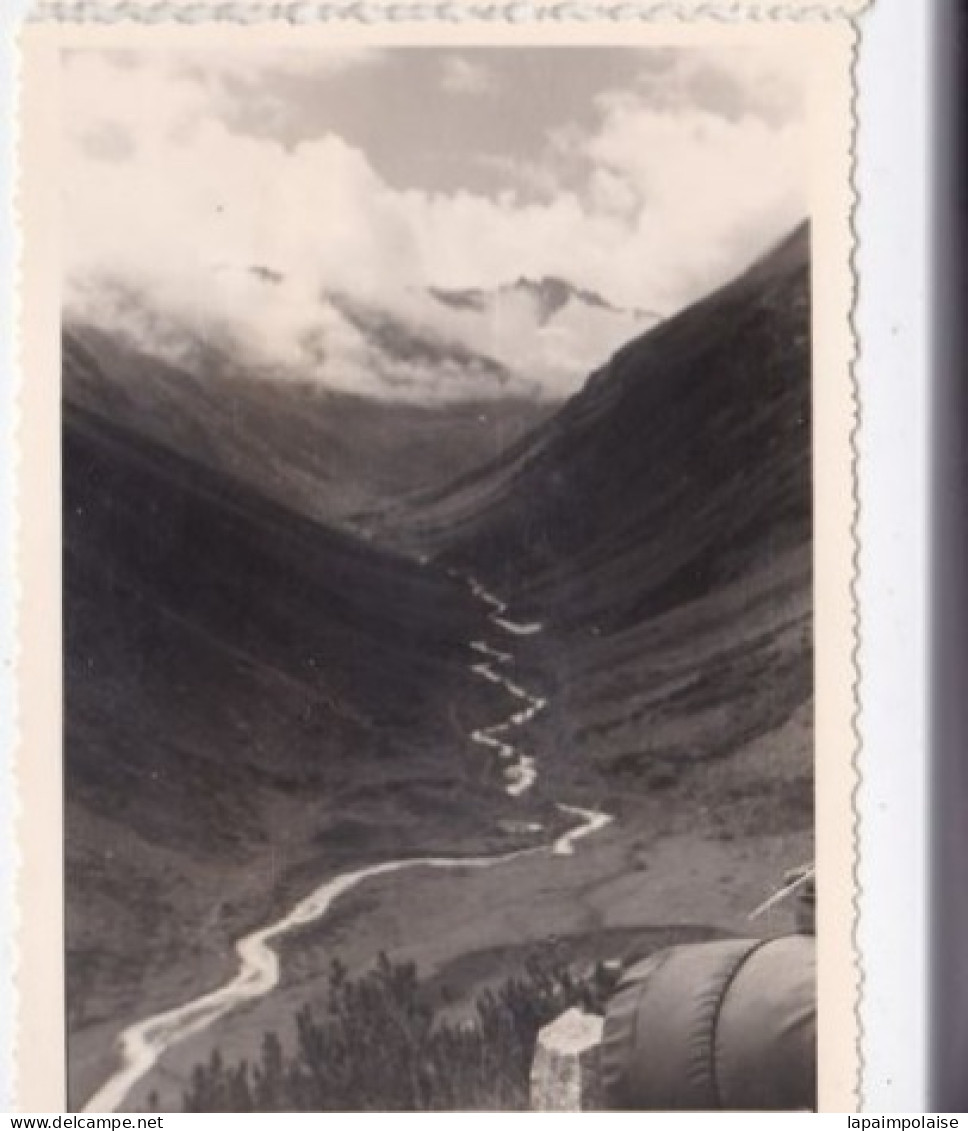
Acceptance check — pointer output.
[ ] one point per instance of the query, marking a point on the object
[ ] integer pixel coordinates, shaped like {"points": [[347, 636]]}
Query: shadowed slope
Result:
{"points": [[325, 453], [250, 700]]}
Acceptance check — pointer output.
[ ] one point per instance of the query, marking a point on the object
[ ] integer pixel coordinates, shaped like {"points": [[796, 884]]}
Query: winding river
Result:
{"points": [[142, 1044], [521, 772]]}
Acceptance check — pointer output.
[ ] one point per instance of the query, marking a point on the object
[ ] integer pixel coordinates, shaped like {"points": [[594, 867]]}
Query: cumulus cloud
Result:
{"points": [[227, 232], [733, 84]]}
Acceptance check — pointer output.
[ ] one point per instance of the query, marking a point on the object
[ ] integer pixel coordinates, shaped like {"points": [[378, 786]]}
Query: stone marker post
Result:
{"points": [[565, 1072]]}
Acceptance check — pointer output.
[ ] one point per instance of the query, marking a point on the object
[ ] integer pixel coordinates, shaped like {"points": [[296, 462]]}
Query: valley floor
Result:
{"points": [[685, 861], [470, 928]]}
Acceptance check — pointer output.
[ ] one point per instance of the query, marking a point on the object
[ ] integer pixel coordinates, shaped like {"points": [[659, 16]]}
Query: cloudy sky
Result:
{"points": [[645, 175]]}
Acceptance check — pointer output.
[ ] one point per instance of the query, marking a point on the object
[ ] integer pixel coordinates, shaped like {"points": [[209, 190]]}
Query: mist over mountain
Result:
{"points": [[530, 340], [429, 409], [241, 194], [549, 293]]}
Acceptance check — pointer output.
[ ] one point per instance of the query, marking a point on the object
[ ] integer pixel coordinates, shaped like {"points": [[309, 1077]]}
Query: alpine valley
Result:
{"points": [[546, 661]]}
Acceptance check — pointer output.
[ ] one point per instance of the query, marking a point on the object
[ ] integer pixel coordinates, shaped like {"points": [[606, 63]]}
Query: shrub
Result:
{"points": [[379, 1046]]}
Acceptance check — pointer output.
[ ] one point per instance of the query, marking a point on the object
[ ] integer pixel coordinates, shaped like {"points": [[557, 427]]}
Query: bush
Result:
{"points": [[378, 1046]]}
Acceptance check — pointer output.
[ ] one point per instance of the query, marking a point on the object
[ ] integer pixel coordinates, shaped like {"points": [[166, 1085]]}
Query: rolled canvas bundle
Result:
{"points": [[730, 1024]]}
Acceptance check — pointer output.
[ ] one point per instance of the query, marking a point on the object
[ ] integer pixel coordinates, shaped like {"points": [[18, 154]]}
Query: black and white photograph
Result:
{"points": [[439, 572]]}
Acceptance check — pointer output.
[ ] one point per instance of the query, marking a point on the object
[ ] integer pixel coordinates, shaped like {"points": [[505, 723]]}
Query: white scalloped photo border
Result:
{"points": [[428, 11]]}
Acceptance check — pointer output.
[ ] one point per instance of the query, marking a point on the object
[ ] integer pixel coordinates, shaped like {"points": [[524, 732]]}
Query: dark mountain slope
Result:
{"points": [[698, 431], [324, 453], [250, 699], [660, 525]]}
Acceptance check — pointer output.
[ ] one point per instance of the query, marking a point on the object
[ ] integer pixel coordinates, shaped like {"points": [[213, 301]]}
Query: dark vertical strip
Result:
{"points": [[948, 819]]}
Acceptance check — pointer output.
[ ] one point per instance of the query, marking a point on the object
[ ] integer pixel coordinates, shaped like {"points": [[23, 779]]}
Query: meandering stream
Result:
{"points": [[142, 1044], [521, 772]]}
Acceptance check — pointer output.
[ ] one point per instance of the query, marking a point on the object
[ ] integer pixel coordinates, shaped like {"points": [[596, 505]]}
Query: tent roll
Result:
{"points": [[725, 1025]]}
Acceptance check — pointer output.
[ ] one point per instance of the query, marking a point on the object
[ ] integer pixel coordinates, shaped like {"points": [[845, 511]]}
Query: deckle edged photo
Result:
{"points": [[454, 528]]}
